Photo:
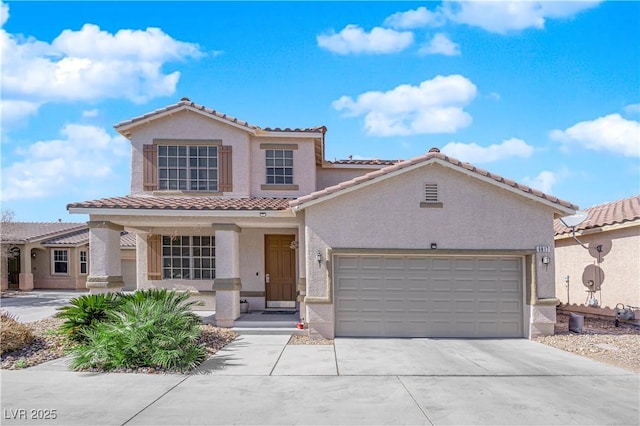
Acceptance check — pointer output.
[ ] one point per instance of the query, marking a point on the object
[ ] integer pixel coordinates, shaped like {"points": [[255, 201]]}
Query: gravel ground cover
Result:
{"points": [[48, 346], [600, 340]]}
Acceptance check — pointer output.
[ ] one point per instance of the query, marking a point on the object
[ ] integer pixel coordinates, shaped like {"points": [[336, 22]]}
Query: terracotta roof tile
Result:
{"points": [[185, 102], [616, 212], [127, 240], [371, 162], [23, 232], [70, 239], [433, 154], [185, 203]]}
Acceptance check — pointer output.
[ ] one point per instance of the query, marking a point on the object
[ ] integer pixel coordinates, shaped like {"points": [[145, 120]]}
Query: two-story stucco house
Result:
{"points": [[426, 247]]}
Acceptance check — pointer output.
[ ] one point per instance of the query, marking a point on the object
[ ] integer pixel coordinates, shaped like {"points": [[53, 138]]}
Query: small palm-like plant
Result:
{"points": [[151, 328], [84, 313]]}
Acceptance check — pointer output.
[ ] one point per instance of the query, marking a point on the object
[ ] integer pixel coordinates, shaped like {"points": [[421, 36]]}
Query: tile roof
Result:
{"points": [[371, 162], [186, 102], [616, 212], [434, 154], [70, 239], [127, 240], [23, 232], [185, 203]]}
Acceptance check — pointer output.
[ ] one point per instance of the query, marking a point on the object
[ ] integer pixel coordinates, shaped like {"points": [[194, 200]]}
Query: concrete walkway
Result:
{"points": [[259, 379]]}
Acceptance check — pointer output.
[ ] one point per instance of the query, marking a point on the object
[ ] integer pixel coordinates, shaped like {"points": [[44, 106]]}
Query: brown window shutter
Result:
{"points": [[150, 168], [225, 171], [154, 258]]}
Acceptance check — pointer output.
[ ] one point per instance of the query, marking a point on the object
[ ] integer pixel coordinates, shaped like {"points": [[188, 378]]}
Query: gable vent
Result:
{"points": [[431, 192]]}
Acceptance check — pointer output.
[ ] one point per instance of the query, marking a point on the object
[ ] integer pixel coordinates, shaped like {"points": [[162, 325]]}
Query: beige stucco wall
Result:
{"points": [[45, 279], [387, 215], [619, 262], [304, 167], [191, 125], [329, 176]]}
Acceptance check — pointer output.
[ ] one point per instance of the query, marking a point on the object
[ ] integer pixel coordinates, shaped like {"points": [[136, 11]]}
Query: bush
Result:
{"points": [[13, 335], [150, 328], [84, 313]]}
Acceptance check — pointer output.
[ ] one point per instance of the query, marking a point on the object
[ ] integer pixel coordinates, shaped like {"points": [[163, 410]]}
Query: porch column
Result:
{"points": [[105, 275], [26, 273], [227, 283]]}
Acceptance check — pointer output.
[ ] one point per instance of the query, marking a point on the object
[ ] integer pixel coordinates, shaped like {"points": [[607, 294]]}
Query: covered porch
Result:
{"points": [[220, 258]]}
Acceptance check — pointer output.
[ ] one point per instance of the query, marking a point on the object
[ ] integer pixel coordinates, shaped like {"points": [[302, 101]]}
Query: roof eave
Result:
{"points": [[180, 212]]}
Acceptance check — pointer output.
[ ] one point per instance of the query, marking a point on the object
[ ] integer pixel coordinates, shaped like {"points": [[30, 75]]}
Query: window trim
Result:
{"points": [[66, 261], [278, 154], [85, 262], [191, 256]]}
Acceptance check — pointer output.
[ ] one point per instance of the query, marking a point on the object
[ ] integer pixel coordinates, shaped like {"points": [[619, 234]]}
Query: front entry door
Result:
{"points": [[280, 271]]}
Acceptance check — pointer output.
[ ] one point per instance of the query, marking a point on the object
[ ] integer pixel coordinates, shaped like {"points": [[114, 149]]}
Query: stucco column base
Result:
{"points": [[227, 300], [105, 284], [26, 281], [542, 321]]}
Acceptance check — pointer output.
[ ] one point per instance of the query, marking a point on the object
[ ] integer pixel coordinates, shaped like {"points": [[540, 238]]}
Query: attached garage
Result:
{"points": [[386, 295]]}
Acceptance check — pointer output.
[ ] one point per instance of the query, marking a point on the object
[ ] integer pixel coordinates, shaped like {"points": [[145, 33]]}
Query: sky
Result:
{"points": [[544, 93]]}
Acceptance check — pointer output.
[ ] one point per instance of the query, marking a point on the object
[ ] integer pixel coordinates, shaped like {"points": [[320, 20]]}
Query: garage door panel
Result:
{"points": [[413, 296]]}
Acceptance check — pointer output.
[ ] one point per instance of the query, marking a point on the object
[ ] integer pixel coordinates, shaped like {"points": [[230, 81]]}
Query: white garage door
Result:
{"points": [[428, 296]]}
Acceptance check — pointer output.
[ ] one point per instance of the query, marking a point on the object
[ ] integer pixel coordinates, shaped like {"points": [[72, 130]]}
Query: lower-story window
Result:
{"points": [[60, 261], [188, 258], [83, 262]]}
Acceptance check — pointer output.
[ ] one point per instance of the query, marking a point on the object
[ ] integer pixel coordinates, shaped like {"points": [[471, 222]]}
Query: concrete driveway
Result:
{"points": [[36, 305], [259, 379]]}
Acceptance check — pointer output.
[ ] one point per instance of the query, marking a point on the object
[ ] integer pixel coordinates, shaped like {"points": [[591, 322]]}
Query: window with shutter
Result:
{"points": [[150, 168], [154, 258]]}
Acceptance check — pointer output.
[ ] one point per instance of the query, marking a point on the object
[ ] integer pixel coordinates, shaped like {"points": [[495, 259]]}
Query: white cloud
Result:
{"points": [[84, 153], [420, 17], [476, 154], [90, 113], [14, 111], [543, 182], [89, 64], [440, 44], [353, 39], [632, 109], [609, 133], [434, 106], [4, 13], [504, 16]]}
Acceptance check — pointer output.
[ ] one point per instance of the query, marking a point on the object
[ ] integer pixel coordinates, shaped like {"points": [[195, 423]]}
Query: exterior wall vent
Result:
{"points": [[431, 196]]}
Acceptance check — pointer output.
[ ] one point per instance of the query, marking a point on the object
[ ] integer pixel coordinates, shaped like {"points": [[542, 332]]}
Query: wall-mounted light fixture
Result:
{"points": [[319, 257], [546, 260], [34, 254], [434, 246]]}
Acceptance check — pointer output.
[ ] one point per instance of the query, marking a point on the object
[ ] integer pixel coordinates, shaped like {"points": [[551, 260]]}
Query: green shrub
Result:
{"points": [[150, 328], [84, 313], [13, 335]]}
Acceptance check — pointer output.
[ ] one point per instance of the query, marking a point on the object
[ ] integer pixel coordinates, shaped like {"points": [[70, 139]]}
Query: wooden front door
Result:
{"points": [[280, 270]]}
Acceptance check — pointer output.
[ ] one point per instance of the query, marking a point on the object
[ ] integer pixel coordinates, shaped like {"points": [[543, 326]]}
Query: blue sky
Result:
{"points": [[545, 93]]}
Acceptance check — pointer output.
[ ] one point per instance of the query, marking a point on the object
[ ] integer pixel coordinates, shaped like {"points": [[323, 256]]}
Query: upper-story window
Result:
{"points": [[279, 164], [188, 168]]}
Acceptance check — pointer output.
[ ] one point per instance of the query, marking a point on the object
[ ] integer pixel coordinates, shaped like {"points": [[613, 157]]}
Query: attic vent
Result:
{"points": [[431, 192], [431, 196]]}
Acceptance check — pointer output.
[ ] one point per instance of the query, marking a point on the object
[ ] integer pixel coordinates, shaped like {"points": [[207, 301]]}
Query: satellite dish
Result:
{"points": [[574, 220]]}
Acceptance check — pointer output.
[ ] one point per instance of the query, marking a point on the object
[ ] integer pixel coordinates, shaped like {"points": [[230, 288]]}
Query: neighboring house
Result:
{"points": [[425, 247], [604, 264], [54, 256]]}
